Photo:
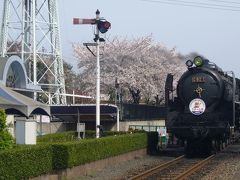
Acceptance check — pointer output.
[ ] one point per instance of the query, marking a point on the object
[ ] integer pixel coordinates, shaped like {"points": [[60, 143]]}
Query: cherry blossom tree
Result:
{"points": [[140, 65]]}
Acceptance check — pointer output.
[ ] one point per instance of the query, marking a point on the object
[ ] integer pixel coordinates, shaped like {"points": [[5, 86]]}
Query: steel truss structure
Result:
{"points": [[30, 29]]}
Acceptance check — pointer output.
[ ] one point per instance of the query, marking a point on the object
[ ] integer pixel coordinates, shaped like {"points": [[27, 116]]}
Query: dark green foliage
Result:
{"points": [[75, 153], [6, 140], [72, 136], [57, 137], [2, 120], [25, 162], [152, 141]]}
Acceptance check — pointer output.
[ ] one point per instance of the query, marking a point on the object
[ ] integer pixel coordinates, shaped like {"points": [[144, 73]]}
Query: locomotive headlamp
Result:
{"points": [[189, 63], [198, 61]]}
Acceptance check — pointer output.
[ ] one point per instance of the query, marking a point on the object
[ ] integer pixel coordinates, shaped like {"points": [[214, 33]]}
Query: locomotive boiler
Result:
{"points": [[205, 112]]}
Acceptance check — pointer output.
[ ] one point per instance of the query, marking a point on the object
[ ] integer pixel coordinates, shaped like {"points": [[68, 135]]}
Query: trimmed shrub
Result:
{"points": [[72, 136], [25, 162], [80, 152], [57, 137]]}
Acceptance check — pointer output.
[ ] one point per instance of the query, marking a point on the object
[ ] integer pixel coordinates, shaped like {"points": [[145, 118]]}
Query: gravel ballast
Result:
{"points": [[126, 169], [225, 166]]}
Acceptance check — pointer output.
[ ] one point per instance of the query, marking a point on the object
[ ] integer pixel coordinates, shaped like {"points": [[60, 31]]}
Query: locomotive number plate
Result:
{"points": [[198, 79]]}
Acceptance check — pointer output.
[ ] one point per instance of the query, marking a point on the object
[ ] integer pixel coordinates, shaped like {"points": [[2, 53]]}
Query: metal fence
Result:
{"points": [[142, 112], [145, 127]]}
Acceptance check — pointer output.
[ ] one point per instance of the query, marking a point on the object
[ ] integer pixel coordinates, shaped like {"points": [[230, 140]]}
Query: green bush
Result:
{"points": [[6, 140], [27, 161], [80, 152], [72, 136], [57, 137]]}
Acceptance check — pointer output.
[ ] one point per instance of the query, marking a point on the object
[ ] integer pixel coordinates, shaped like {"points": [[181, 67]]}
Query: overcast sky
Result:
{"points": [[213, 33]]}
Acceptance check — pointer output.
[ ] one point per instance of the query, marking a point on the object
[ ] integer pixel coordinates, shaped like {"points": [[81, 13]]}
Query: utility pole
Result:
{"points": [[102, 26]]}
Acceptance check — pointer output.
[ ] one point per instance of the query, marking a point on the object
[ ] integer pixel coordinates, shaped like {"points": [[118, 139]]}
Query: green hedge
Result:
{"points": [[75, 153], [71, 136], [57, 137], [25, 162]]}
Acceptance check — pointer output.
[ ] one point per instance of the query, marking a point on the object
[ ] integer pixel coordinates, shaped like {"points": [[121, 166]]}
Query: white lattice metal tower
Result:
{"points": [[30, 29]]}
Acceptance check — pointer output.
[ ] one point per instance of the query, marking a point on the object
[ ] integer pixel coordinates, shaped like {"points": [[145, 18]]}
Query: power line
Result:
{"points": [[194, 4], [227, 2], [204, 4]]}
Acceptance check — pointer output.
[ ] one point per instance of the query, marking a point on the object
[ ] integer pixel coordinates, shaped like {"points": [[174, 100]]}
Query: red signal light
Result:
{"points": [[103, 26], [107, 24]]}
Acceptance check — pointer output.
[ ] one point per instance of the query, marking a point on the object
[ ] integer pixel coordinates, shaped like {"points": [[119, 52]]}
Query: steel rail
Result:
{"points": [[156, 169], [194, 168]]}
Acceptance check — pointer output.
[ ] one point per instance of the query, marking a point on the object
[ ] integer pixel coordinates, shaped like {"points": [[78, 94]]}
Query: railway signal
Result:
{"points": [[101, 26], [83, 21]]}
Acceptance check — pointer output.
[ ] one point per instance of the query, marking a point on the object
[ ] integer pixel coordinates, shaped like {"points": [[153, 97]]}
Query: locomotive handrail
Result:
{"points": [[234, 93], [234, 97]]}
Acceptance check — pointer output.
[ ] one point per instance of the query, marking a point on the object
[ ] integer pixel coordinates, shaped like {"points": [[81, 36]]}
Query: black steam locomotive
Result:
{"points": [[205, 113]]}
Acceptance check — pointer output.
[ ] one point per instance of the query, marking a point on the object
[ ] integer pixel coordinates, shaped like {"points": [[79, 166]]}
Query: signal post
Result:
{"points": [[101, 26]]}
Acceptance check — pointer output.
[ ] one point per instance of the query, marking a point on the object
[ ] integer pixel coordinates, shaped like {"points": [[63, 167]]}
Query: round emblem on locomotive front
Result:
{"points": [[197, 106]]}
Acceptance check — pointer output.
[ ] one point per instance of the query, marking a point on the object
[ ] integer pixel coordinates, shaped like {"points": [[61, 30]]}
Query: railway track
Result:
{"points": [[179, 168]]}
